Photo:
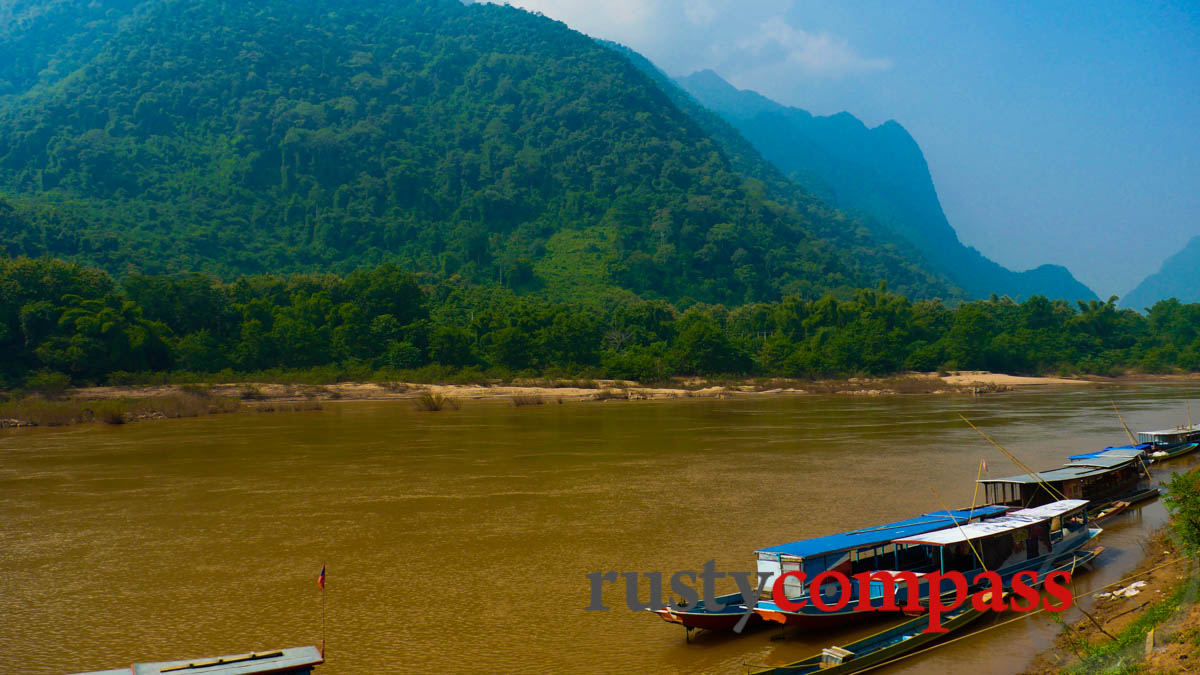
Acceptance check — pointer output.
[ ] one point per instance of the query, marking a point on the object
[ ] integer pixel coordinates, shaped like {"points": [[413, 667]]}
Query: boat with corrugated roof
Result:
{"points": [[852, 552], [901, 640], [1029, 539], [1171, 443], [1101, 479]]}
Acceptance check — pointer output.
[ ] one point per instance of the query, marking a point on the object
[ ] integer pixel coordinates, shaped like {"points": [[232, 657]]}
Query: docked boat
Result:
{"points": [[898, 641], [291, 661], [1101, 480], [880, 647], [1174, 451], [701, 617], [1171, 442], [1029, 539], [851, 552]]}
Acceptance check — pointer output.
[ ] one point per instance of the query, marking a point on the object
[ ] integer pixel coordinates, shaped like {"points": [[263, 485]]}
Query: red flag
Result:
{"points": [[321, 578]]}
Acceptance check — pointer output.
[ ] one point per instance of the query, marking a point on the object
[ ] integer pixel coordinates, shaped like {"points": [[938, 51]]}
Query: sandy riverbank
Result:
{"points": [[974, 382], [134, 402], [965, 377]]}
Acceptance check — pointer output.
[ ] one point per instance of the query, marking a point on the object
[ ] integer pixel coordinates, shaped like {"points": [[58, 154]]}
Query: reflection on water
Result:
{"points": [[459, 540]]}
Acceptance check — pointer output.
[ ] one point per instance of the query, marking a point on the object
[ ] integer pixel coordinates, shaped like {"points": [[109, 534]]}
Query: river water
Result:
{"points": [[459, 541]]}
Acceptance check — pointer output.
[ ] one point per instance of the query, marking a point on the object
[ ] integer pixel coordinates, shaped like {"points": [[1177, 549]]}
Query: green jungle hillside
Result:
{"points": [[479, 141]]}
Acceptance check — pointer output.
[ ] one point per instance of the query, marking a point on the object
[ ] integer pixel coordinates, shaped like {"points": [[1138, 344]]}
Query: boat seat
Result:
{"points": [[835, 656]]}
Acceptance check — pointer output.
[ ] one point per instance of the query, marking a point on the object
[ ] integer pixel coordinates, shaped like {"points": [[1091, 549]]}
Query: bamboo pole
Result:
{"points": [[1132, 440], [1032, 474], [960, 531], [975, 496]]}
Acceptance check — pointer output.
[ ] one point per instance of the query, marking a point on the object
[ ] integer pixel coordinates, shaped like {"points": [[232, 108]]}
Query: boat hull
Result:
{"points": [[959, 619], [828, 620], [1162, 454], [699, 617], [904, 639], [706, 620]]}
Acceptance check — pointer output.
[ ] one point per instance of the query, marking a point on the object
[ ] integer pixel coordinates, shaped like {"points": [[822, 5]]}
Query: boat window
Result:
{"points": [[1074, 521]]}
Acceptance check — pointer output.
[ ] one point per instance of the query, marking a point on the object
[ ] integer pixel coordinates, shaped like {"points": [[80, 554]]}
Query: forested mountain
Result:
{"points": [[472, 140], [877, 173], [1179, 278]]}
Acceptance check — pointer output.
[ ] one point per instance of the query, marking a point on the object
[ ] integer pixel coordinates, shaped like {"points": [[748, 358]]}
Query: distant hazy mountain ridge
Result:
{"points": [[880, 173], [1179, 278]]}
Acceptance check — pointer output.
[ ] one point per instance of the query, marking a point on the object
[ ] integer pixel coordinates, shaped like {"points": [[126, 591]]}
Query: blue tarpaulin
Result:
{"points": [[868, 537], [1121, 450]]}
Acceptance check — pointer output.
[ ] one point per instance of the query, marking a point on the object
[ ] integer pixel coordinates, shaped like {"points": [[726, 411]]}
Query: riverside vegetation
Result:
{"points": [[63, 318], [1114, 637]]}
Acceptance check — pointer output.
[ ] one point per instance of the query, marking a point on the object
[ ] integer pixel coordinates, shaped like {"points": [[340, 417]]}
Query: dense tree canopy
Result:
{"points": [[61, 317]]}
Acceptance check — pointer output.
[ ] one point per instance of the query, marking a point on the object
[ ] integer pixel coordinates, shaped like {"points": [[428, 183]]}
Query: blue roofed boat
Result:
{"points": [[860, 550], [1029, 539], [291, 661], [832, 552], [898, 641]]}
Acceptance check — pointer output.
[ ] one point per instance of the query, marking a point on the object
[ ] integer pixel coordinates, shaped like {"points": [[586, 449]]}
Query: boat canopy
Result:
{"points": [[1181, 434], [1119, 451], [1106, 461], [986, 528], [881, 534], [1072, 471]]}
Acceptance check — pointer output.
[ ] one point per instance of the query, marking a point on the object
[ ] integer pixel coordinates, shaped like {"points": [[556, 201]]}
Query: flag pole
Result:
{"points": [[322, 610]]}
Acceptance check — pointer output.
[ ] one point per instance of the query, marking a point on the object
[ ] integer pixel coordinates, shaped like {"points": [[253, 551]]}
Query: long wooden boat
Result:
{"points": [[699, 616], [895, 642], [880, 647], [1109, 512], [1171, 440], [1009, 544], [853, 551], [291, 661], [1161, 455], [1104, 512], [1100, 479]]}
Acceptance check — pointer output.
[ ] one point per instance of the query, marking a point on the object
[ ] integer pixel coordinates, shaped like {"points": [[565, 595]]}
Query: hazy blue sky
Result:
{"points": [[1062, 132]]}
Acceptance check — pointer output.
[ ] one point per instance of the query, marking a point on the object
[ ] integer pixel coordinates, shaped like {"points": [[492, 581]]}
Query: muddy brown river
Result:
{"points": [[459, 541]]}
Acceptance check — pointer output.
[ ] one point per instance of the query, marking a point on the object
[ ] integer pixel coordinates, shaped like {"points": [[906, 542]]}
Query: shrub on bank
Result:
{"points": [[435, 402]]}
